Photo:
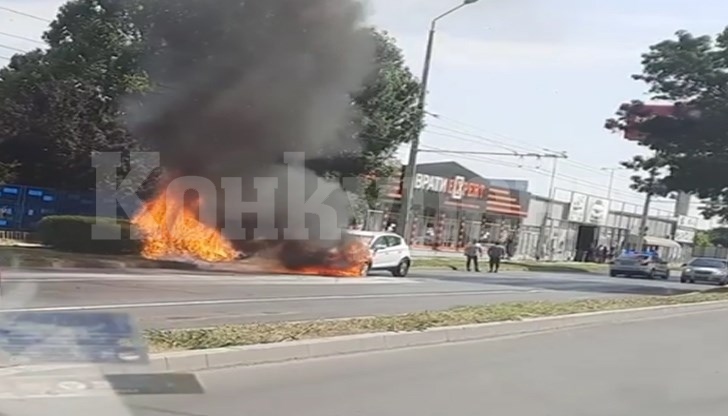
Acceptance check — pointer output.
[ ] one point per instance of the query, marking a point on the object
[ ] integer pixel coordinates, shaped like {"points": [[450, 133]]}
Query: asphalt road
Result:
{"points": [[177, 299], [665, 365]]}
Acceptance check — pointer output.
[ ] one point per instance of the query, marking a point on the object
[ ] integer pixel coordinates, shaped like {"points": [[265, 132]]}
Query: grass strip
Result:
{"points": [[556, 267], [265, 333]]}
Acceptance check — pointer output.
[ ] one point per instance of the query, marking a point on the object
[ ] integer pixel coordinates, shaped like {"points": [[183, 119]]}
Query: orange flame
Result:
{"points": [[171, 228], [348, 261]]}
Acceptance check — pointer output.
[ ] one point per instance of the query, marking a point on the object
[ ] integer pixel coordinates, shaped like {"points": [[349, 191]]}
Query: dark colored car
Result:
{"points": [[706, 270]]}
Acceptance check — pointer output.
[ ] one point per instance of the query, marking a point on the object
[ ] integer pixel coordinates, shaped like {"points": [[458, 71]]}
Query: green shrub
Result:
{"points": [[73, 233]]}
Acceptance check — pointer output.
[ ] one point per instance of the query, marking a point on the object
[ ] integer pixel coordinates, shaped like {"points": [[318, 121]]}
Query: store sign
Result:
{"points": [[684, 221], [577, 208], [597, 211], [684, 236], [456, 188]]}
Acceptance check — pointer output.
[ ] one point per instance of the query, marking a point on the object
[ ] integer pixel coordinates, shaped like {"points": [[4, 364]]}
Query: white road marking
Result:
{"points": [[202, 278], [262, 300]]}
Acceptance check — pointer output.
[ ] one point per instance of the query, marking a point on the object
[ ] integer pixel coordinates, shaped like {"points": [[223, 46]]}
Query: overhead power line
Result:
{"points": [[464, 154], [12, 48], [516, 154], [512, 143], [536, 170], [512, 147], [31, 16], [10, 35]]}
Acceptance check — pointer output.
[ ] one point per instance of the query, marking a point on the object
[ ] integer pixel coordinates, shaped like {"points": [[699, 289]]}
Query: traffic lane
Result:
{"points": [[579, 282], [91, 289], [669, 365], [38, 290], [191, 301], [202, 316], [94, 290], [187, 314]]}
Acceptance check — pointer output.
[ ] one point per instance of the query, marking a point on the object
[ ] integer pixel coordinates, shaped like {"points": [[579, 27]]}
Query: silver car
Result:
{"points": [[706, 270], [639, 265]]}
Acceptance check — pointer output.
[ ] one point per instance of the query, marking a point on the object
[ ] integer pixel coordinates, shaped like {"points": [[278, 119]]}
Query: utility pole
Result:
{"points": [[611, 182], [405, 225], [540, 252], [646, 211]]}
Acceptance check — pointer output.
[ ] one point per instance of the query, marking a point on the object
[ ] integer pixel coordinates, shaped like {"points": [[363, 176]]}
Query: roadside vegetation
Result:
{"points": [[458, 263], [266, 333]]}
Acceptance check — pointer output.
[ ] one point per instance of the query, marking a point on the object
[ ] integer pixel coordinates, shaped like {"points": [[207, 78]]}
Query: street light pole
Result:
{"points": [[646, 212], [542, 233], [611, 183], [405, 223]]}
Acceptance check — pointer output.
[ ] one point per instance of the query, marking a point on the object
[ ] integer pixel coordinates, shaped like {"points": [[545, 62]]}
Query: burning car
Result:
{"points": [[174, 231], [387, 251]]}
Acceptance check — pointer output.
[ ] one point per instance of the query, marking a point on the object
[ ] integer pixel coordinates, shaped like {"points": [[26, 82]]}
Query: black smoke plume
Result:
{"points": [[236, 83]]}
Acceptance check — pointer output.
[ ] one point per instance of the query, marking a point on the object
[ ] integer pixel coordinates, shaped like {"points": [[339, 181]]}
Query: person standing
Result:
{"points": [[495, 254], [472, 252]]}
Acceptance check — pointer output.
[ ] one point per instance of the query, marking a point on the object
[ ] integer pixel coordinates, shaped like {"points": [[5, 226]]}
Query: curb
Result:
{"points": [[352, 344], [191, 361]]}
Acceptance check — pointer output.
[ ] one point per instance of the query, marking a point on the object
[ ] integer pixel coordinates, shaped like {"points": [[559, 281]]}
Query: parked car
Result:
{"points": [[639, 265], [389, 252], [705, 269]]}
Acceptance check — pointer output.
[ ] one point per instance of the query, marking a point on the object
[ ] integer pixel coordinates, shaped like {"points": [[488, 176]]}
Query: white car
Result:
{"points": [[389, 251]]}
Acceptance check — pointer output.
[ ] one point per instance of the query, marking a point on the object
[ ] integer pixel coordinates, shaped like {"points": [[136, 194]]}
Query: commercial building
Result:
{"points": [[578, 223], [452, 205]]}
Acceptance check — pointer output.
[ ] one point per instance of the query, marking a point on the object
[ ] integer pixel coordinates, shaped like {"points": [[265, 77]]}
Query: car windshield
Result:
{"points": [[366, 239], [634, 257], [715, 263]]}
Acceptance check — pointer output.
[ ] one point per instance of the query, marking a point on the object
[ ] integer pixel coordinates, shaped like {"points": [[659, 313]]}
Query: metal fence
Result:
{"points": [[714, 252], [21, 207]]}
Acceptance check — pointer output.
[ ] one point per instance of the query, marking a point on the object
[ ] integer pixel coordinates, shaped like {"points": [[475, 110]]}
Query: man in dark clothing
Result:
{"points": [[495, 254], [472, 252]]}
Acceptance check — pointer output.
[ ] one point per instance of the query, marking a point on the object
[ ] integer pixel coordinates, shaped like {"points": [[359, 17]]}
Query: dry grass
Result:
{"points": [[249, 334]]}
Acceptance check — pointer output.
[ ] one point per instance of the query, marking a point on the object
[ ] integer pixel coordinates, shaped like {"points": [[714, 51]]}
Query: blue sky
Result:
{"points": [[522, 75]]}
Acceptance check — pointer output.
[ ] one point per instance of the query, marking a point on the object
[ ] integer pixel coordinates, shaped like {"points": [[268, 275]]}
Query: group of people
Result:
{"points": [[600, 254], [474, 251]]}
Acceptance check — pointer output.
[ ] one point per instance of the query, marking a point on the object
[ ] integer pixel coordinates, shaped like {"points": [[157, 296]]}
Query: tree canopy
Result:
{"points": [[690, 142], [59, 104]]}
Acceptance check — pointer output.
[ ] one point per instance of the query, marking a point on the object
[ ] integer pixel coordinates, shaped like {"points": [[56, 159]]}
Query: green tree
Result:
{"points": [[390, 117], [56, 106], [59, 105], [718, 236], [690, 146], [702, 239]]}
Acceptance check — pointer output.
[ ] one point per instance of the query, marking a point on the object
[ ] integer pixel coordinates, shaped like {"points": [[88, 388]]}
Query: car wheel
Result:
{"points": [[651, 275], [402, 268], [612, 274], [683, 280], [692, 281], [666, 276]]}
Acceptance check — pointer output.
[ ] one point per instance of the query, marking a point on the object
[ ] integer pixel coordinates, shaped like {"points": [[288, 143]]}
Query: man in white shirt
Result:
{"points": [[472, 252]]}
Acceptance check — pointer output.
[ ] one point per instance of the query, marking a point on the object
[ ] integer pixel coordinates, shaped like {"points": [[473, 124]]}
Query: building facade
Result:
{"points": [[582, 223], [453, 205]]}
